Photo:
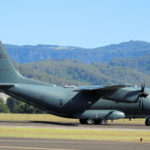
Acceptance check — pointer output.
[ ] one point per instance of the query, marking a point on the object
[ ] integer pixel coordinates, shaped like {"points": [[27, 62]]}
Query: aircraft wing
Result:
{"points": [[111, 92], [99, 88]]}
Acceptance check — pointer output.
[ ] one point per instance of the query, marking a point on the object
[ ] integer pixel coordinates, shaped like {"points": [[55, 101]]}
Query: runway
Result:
{"points": [[63, 144], [70, 125], [52, 144]]}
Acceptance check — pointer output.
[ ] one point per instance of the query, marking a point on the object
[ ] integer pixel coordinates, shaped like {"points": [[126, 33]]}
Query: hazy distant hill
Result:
{"points": [[74, 72], [141, 63], [29, 53]]}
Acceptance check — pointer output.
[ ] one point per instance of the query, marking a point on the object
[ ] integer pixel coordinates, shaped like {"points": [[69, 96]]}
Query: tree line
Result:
{"points": [[15, 106]]}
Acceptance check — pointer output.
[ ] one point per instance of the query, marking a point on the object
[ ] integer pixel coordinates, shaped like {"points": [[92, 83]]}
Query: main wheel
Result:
{"points": [[90, 121], [83, 121], [103, 122], [96, 121]]}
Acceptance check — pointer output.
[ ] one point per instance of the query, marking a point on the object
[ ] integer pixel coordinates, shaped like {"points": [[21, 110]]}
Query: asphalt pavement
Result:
{"points": [[53, 144], [70, 125], [63, 144]]}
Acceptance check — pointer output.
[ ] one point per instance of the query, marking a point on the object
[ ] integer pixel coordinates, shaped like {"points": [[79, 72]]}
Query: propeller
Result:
{"points": [[143, 92], [142, 87]]}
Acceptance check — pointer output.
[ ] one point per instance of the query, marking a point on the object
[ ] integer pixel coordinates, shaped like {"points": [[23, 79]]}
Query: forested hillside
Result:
{"points": [[141, 63], [74, 72], [29, 53]]}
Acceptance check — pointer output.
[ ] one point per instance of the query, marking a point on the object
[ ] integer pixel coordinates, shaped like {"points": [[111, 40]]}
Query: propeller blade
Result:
{"points": [[143, 92], [142, 87]]}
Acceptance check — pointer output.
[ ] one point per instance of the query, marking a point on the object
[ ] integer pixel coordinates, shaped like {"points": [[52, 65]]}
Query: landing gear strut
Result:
{"points": [[104, 122]]}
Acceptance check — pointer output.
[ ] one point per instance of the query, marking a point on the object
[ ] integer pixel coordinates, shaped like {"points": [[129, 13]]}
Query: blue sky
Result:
{"points": [[85, 23]]}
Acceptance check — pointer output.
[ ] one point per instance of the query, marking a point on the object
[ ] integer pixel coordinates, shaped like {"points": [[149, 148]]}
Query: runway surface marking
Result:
{"points": [[31, 148], [58, 141], [11, 146], [45, 141]]}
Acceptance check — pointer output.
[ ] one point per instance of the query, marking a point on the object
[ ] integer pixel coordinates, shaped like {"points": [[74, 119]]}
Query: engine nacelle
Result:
{"points": [[145, 103]]}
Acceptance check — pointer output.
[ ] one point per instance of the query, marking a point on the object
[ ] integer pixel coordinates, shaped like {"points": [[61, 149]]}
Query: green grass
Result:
{"points": [[75, 134], [34, 117]]}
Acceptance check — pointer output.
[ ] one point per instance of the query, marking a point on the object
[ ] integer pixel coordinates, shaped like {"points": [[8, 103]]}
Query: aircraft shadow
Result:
{"points": [[55, 123], [11, 122], [125, 125], [2, 122]]}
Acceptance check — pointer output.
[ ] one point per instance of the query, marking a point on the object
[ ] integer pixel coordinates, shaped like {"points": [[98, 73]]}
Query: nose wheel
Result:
{"points": [[147, 122], [83, 121]]}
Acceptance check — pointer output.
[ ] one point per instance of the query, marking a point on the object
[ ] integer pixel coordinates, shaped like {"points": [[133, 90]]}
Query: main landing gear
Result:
{"points": [[95, 121], [104, 122]]}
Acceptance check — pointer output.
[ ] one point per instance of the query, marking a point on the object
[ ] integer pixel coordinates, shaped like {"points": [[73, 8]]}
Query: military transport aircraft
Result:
{"points": [[90, 104]]}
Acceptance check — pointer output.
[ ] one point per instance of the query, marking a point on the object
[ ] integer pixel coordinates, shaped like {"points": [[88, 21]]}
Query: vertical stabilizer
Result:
{"points": [[8, 72]]}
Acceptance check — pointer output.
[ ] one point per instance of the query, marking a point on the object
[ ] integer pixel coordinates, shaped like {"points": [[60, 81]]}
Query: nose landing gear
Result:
{"points": [[147, 122], [83, 121]]}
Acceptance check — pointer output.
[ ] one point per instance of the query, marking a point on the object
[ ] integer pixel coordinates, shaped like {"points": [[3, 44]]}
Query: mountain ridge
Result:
{"points": [[30, 53]]}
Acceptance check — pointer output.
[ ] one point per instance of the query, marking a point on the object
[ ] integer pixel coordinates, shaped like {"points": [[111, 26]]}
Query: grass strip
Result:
{"points": [[75, 134]]}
